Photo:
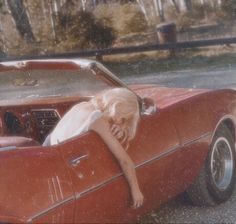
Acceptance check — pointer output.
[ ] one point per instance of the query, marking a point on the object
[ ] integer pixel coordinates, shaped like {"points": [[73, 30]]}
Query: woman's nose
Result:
{"points": [[119, 120]]}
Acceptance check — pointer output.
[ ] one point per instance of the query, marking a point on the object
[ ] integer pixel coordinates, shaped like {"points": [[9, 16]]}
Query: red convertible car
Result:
{"points": [[185, 142]]}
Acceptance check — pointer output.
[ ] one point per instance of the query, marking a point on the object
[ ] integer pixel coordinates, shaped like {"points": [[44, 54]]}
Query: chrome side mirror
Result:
{"points": [[148, 106]]}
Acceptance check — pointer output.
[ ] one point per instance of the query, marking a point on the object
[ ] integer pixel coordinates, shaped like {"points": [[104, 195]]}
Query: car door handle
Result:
{"points": [[76, 161]]}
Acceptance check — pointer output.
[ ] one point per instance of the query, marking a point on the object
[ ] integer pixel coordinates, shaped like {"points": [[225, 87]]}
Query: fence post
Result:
{"points": [[99, 56], [167, 33]]}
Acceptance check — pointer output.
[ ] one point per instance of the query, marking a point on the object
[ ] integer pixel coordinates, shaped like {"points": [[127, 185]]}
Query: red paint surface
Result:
{"points": [[39, 184]]}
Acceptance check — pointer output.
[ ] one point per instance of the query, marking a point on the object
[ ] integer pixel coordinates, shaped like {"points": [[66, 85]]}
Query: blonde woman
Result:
{"points": [[113, 115]]}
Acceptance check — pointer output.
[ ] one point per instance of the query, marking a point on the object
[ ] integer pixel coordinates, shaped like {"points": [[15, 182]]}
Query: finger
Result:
{"points": [[140, 202], [120, 135], [116, 130], [124, 139], [113, 127], [125, 132], [134, 205]]}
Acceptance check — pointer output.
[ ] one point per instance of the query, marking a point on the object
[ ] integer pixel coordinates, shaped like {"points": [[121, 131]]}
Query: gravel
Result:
{"points": [[180, 210]]}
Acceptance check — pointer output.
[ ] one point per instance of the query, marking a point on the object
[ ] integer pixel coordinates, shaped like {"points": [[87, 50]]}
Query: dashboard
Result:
{"points": [[35, 121]]}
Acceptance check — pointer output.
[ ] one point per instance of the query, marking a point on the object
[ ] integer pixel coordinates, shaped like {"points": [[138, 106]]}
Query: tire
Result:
{"points": [[216, 181]]}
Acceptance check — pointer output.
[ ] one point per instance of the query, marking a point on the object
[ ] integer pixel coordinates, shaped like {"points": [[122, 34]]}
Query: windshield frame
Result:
{"points": [[97, 69]]}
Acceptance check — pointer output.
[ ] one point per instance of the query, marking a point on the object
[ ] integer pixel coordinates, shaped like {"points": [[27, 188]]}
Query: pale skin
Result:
{"points": [[103, 128]]}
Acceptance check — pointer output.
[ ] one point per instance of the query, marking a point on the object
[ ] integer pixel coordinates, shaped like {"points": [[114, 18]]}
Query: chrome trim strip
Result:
{"points": [[45, 211], [59, 187], [78, 195], [55, 189], [173, 149], [83, 193], [197, 139], [160, 156]]}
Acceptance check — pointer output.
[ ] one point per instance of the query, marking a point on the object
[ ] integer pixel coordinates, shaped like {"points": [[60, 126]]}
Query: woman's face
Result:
{"points": [[119, 113], [118, 119]]}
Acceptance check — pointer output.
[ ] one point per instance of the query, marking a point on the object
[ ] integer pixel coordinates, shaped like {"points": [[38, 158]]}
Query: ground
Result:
{"points": [[159, 61]]}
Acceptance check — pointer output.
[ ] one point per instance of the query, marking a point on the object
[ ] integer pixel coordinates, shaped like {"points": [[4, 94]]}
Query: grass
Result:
{"points": [[140, 64]]}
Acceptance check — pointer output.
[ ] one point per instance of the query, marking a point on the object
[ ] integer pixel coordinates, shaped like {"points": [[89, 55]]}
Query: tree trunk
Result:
{"points": [[159, 9], [52, 20], [203, 2], [143, 9], [2, 41], [84, 4], [19, 15], [44, 8], [176, 6], [186, 5]]}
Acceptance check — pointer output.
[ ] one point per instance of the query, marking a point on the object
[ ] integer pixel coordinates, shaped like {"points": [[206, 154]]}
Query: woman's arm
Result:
{"points": [[102, 127]]}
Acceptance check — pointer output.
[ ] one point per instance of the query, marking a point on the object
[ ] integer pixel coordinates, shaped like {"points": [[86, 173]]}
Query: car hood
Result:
{"points": [[164, 96]]}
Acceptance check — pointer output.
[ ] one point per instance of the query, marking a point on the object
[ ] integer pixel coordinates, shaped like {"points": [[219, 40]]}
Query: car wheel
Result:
{"points": [[215, 183]]}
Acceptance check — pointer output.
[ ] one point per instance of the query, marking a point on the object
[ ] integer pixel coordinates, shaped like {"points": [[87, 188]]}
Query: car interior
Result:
{"points": [[29, 124]]}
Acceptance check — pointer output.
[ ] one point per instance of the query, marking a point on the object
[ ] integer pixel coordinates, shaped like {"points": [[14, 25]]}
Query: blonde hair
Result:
{"points": [[124, 102]]}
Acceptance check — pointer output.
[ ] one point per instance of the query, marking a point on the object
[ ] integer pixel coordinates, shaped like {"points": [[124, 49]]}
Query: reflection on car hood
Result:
{"points": [[164, 96]]}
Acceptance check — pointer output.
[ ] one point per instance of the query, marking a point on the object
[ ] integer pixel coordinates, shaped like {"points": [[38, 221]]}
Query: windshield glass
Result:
{"points": [[49, 83]]}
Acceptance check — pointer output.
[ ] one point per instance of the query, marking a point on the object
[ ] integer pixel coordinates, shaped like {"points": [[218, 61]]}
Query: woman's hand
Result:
{"points": [[119, 133], [137, 198]]}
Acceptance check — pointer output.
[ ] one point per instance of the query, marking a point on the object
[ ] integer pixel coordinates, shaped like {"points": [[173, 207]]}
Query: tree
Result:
{"points": [[85, 30], [176, 5], [84, 4], [228, 7], [19, 15], [158, 4], [186, 5], [2, 38], [142, 7]]}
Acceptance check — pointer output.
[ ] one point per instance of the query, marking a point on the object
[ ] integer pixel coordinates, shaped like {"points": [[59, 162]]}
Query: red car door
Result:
{"points": [[102, 192], [34, 186], [153, 151]]}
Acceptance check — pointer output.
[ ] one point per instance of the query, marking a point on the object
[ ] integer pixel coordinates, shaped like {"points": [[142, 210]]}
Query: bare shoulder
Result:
{"points": [[84, 105]]}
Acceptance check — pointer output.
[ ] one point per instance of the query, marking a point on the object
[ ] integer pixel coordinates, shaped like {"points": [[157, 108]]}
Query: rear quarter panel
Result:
{"points": [[196, 115], [200, 115], [222, 107]]}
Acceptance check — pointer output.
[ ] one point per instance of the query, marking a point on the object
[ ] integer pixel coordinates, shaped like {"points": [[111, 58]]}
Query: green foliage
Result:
{"points": [[84, 30]]}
